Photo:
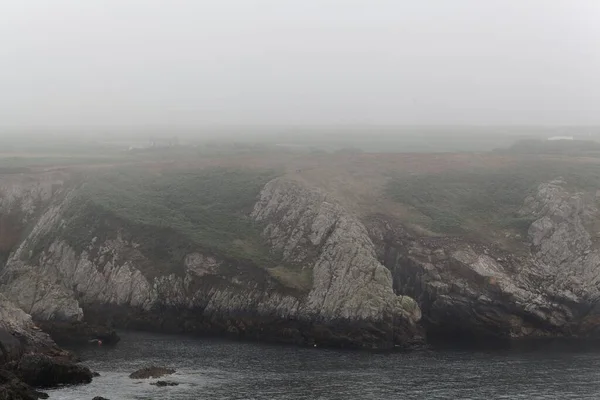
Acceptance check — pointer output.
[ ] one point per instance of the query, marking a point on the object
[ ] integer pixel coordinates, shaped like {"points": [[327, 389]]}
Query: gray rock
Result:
{"points": [[466, 289], [151, 372]]}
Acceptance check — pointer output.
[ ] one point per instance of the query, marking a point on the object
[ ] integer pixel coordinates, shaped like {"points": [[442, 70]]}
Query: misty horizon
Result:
{"points": [[188, 64]]}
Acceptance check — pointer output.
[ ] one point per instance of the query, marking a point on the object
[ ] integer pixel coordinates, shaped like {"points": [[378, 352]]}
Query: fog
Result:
{"points": [[314, 62]]}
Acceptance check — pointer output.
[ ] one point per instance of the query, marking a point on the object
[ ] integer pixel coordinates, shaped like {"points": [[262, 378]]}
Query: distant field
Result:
{"points": [[416, 179], [473, 200], [74, 142]]}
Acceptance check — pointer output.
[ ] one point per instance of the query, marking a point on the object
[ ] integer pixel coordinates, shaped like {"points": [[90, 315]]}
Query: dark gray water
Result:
{"points": [[214, 369]]}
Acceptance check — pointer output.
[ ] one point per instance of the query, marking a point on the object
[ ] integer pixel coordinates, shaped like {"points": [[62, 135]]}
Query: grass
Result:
{"points": [[299, 279], [171, 214], [209, 207], [454, 201]]}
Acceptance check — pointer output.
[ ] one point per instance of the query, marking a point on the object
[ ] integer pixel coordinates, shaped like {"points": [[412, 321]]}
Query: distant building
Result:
{"points": [[164, 142], [561, 138]]}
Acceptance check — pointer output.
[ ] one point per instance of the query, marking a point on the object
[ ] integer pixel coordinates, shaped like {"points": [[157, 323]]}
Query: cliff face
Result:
{"points": [[339, 279], [18, 333], [104, 272], [467, 288]]}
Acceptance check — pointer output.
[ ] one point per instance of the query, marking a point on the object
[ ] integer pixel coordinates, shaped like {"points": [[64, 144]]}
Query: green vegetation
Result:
{"points": [[456, 201], [171, 214], [208, 207], [295, 278]]}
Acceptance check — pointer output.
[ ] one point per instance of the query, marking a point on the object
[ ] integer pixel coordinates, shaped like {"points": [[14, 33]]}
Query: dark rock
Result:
{"points": [[78, 332], [99, 398], [43, 371], [151, 372], [95, 374], [164, 383], [10, 347], [11, 388]]}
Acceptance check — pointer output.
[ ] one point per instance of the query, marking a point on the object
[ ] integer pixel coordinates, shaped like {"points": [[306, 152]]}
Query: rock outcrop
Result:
{"points": [[471, 289], [40, 370], [340, 280], [349, 283], [105, 272], [12, 388], [29, 358], [19, 335]]}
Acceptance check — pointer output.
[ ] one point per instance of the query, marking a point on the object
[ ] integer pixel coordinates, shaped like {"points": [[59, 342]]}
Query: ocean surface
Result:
{"points": [[215, 369]]}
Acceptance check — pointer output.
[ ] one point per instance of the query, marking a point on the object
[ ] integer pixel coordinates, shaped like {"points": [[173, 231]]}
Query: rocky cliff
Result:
{"points": [[18, 333], [469, 288], [337, 279], [79, 261]]}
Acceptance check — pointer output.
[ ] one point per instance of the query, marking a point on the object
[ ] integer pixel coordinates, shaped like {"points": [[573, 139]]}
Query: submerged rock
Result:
{"points": [[100, 398], [164, 383], [151, 372]]}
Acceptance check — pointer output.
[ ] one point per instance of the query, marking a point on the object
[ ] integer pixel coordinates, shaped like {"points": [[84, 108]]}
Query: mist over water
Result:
{"points": [[215, 369]]}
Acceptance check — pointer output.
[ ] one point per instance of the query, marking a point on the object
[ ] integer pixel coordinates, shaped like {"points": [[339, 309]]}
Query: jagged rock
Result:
{"points": [[371, 282], [18, 334], [468, 289], [350, 301], [19, 340], [43, 371], [151, 372], [350, 285], [164, 383]]}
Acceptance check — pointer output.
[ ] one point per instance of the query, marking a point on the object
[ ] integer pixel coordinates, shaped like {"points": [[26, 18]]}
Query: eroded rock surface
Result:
{"points": [[29, 358], [467, 288], [349, 300], [368, 279]]}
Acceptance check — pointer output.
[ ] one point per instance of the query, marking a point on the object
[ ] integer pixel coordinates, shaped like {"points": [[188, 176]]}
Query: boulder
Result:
{"points": [[151, 372], [99, 398]]}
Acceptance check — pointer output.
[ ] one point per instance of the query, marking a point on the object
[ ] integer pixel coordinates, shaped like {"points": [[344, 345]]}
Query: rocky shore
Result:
{"points": [[30, 360]]}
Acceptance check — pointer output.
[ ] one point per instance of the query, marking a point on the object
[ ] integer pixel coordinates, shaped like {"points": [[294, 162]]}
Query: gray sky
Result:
{"points": [[196, 62]]}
